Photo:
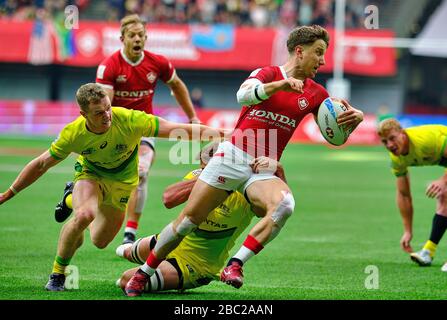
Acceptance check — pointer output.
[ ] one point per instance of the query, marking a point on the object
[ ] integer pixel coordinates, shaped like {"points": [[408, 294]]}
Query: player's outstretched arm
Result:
{"points": [[30, 173], [181, 94], [185, 131], [405, 205], [178, 193]]}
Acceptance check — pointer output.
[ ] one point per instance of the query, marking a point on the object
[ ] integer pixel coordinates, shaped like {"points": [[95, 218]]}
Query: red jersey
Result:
{"points": [[134, 82], [265, 129]]}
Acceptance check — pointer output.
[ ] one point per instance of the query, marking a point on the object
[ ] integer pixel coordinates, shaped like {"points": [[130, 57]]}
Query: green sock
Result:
{"points": [[60, 264]]}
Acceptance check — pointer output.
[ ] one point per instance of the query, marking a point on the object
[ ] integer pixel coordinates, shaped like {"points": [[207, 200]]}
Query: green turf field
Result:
{"points": [[345, 220]]}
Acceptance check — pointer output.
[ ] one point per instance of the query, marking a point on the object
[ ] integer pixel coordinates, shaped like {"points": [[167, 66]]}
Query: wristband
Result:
{"points": [[260, 92]]}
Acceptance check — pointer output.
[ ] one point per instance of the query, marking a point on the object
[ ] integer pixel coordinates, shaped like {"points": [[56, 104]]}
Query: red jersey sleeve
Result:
{"points": [[265, 75], [167, 70], [320, 94], [105, 74]]}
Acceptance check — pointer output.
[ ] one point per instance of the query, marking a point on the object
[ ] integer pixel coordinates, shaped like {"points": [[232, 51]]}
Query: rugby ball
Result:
{"points": [[327, 122]]}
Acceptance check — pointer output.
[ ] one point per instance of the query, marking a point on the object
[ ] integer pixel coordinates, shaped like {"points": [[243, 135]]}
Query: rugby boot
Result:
{"points": [[422, 257], [136, 284], [56, 282], [232, 275], [62, 211]]}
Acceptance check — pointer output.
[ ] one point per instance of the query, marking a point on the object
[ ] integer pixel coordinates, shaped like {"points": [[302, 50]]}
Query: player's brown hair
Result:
{"points": [[387, 125], [87, 93], [306, 35], [128, 20]]}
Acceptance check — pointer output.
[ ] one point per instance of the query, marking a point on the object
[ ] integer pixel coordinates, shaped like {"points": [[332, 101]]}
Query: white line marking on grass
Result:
{"points": [[356, 156], [65, 170], [154, 172], [13, 229]]}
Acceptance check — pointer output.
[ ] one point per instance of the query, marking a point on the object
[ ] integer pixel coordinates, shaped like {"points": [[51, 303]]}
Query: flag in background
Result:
{"points": [[40, 49], [64, 38], [218, 37]]}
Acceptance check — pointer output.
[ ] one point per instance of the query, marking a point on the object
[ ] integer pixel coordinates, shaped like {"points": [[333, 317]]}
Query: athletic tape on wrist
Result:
{"points": [[13, 190], [260, 92]]}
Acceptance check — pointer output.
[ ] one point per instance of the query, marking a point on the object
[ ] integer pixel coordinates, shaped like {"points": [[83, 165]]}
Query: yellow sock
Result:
{"points": [[60, 264], [68, 201], [431, 246]]}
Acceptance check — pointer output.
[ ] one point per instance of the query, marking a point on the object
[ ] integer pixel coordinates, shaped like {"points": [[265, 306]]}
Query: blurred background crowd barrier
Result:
{"points": [[214, 45]]}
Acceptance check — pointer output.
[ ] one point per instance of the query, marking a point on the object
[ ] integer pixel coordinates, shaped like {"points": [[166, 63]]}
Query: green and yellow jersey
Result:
{"points": [[427, 144], [113, 154], [208, 247]]}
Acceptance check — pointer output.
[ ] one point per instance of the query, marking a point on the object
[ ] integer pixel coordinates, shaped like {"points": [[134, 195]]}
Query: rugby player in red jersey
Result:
{"points": [[130, 76], [275, 99]]}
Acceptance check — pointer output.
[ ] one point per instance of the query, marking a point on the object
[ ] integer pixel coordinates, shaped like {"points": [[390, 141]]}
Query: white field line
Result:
{"points": [[65, 170]]}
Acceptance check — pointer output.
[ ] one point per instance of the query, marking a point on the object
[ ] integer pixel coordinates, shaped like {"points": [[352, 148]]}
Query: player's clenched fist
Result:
{"points": [[293, 85]]}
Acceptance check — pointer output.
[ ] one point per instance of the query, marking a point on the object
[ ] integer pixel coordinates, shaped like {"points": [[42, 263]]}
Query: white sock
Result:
{"points": [[130, 230], [244, 254], [145, 268]]}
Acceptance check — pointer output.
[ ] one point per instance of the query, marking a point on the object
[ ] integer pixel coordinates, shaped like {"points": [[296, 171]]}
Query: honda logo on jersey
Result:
{"points": [[303, 103], [268, 115], [151, 77], [133, 94]]}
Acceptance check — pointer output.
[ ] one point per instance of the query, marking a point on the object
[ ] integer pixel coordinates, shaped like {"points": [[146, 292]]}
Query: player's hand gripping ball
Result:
{"points": [[327, 122]]}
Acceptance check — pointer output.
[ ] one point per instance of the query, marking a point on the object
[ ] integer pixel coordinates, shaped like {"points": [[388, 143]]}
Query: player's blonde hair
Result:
{"points": [[129, 20], [306, 35], [87, 93], [387, 125]]}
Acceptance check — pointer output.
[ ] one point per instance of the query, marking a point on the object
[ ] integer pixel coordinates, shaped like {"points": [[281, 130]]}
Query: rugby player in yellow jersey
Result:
{"points": [[201, 256], [106, 139], [417, 146]]}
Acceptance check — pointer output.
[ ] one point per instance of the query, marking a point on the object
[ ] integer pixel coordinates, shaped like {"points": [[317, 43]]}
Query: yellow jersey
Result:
{"points": [[427, 144], [112, 154], [210, 244]]}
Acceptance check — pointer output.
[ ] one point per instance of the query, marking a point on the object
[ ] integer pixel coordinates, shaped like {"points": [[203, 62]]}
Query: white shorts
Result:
{"points": [[229, 169], [148, 140]]}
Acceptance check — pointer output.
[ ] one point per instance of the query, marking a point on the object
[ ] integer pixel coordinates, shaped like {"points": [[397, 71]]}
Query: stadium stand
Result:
{"points": [[259, 13]]}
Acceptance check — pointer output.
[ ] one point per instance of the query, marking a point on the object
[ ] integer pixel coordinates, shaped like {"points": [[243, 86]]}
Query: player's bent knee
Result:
{"points": [[100, 243], [84, 217], [284, 210], [441, 208]]}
